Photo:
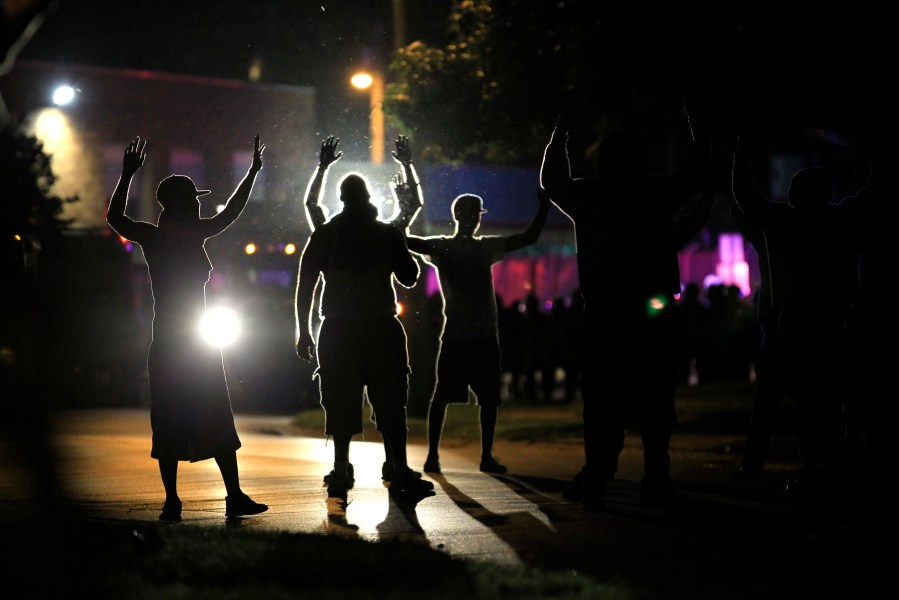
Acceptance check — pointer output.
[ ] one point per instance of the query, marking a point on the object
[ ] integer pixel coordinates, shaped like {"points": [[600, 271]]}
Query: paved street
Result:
{"points": [[725, 539]]}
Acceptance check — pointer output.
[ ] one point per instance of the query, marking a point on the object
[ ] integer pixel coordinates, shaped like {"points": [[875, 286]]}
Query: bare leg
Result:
{"points": [[488, 430], [436, 419], [227, 464], [237, 503], [168, 470]]}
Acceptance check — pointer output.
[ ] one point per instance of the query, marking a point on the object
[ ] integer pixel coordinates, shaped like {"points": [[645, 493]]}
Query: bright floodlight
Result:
{"points": [[362, 81], [63, 95], [219, 327]]}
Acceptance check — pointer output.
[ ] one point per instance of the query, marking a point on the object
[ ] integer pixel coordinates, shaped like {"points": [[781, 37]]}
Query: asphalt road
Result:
{"points": [[724, 539]]}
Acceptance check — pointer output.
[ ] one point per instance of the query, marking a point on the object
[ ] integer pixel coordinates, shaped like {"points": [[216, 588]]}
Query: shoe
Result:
{"points": [[350, 471], [432, 465], [491, 465], [387, 471], [405, 480], [242, 505], [658, 493], [574, 491], [594, 496], [171, 511], [340, 481], [747, 473]]}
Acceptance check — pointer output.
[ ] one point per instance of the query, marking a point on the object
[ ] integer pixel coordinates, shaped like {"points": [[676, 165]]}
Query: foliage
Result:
{"points": [[493, 92], [27, 178], [482, 96]]}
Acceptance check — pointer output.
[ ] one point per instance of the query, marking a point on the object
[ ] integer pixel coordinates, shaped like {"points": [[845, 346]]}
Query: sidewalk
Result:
{"points": [[725, 539]]}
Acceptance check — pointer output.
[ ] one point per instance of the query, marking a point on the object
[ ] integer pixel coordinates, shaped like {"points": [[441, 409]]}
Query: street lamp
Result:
{"points": [[375, 84]]}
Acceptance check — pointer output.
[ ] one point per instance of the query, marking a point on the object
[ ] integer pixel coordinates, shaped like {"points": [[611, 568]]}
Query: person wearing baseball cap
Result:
{"points": [[177, 187], [469, 357], [190, 407]]}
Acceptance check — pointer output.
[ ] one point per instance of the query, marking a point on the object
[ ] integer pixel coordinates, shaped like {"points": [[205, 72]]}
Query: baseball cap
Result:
{"points": [[468, 203], [175, 186]]}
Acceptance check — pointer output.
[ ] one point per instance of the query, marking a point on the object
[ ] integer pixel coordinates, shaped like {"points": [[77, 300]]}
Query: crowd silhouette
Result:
{"points": [[813, 334]]}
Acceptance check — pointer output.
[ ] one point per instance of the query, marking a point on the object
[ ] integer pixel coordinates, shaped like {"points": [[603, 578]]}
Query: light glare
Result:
{"points": [[362, 81], [63, 95], [219, 327]]}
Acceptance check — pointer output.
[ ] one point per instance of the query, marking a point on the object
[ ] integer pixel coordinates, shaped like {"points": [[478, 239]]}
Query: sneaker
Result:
{"points": [[432, 465], [574, 491], [593, 496], [340, 481], [241, 505], [658, 493], [491, 465], [171, 511], [351, 473], [405, 480], [387, 471]]}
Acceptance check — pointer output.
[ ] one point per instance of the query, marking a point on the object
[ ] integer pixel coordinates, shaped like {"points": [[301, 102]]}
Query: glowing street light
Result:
{"points": [[63, 95], [375, 85]]}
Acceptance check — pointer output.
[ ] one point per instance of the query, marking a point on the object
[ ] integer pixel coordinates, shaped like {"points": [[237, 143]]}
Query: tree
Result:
{"points": [[493, 92]]}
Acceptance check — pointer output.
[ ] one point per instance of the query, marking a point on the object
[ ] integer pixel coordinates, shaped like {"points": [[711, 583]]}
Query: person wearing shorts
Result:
{"points": [[469, 357], [361, 342]]}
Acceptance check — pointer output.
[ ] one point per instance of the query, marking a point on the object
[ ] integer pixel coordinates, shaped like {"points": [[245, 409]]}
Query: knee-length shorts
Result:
{"points": [[359, 355]]}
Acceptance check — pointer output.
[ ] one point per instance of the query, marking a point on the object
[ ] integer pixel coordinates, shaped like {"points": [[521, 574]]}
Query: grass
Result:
{"points": [[711, 405], [147, 561]]}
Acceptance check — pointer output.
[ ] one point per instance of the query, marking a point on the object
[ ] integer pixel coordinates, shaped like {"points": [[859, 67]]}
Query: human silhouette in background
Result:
{"points": [[190, 407], [770, 380], [409, 201], [535, 370], [629, 227], [816, 241], [469, 357], [691, 316], [361, 345]]}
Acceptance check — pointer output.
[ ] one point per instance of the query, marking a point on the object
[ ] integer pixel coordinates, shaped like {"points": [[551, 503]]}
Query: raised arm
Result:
{"points": [[238, 200], [750, 201], [532, 233], [315, 212], [407, 187], [680, 189], [135, 155], [555, 170]]}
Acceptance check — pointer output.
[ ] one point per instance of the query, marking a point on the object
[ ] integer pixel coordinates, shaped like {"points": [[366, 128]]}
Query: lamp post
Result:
{"points": [[375, 84]]}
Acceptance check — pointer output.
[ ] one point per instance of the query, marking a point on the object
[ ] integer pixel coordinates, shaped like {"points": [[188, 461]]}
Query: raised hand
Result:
{"points": [[403, 152], [257, 154], [328, 153], [306, 349], [135, 155]]}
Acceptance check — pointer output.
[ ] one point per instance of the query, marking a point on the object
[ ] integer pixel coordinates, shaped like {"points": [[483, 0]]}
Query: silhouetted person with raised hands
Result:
{"points": [[629, 227], [816, 241], [873, 423], [408, 195], [190, 407], [770, 382], [405, 183], [361, 342], [469, 356]]}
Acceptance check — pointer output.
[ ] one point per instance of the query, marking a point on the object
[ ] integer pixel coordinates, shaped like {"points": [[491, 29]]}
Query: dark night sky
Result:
{"points": [[812, 60]]}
